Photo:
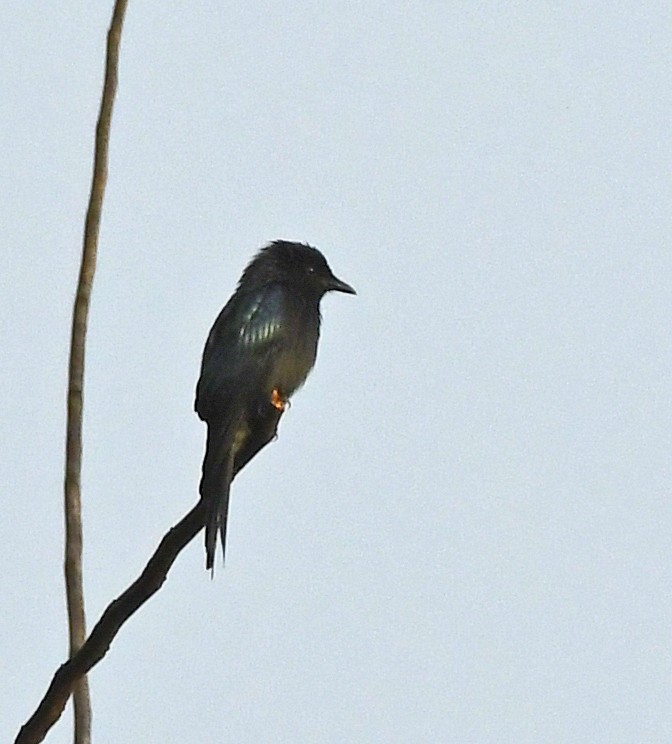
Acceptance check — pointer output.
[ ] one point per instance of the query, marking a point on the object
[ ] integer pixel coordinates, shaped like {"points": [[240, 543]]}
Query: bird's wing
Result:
{"points": [[240, 344]]}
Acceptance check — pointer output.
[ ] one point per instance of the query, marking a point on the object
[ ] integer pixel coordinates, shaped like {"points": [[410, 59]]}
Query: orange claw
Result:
{"points": [[277, 401]]}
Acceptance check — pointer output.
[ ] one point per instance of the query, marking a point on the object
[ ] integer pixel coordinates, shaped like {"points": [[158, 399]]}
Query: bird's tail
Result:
{"points": [[215, 486]]}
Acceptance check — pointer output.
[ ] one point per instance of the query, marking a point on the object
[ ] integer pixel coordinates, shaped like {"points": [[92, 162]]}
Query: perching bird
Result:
{"points": [[259, 351]]}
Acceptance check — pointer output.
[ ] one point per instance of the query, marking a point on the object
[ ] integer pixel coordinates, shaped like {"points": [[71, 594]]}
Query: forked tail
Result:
{"points": [[216, 485]]}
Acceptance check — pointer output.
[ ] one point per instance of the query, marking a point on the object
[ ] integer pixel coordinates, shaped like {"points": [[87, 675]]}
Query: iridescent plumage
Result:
{"points": [[259, 351]]}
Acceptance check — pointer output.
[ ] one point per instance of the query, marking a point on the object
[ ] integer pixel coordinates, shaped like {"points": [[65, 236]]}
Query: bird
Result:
{"points": [[258, 353]]}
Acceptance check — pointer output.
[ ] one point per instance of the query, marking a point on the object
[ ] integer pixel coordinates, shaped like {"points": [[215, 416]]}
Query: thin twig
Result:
{"points": [[116, 614], [73, 457]]}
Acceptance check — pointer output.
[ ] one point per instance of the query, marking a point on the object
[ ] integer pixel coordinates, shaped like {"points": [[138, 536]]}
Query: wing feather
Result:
{"points": [[240, 344]]}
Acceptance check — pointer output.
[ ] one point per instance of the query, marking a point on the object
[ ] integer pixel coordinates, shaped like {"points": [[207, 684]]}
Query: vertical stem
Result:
{"points": [[73, 455]]}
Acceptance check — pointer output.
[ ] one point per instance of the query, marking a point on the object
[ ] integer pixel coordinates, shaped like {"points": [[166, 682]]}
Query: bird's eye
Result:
{"points": [[311, 269]]}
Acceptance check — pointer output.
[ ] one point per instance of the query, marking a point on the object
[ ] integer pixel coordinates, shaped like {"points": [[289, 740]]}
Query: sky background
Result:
{"points": [[464, 531]]}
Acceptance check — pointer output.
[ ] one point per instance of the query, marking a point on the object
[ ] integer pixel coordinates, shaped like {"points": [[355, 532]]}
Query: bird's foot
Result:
{"points": [[277, 401]]}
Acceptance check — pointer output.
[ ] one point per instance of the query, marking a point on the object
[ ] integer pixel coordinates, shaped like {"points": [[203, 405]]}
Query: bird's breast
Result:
{"points": [[293, 362]]}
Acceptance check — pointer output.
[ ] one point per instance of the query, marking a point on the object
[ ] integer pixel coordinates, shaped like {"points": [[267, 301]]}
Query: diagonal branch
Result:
{"points": [[117, 612], [73, 456]]}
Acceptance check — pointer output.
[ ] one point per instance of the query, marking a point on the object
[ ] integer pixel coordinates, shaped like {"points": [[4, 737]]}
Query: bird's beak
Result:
{"points": [[336, 285]]}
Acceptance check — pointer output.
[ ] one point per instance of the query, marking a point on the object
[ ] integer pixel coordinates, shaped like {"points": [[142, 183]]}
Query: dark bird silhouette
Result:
{"points": [[259, 351]]}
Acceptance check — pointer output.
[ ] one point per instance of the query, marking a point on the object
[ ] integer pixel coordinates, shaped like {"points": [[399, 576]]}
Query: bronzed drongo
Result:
{"points": [[260, 350]]}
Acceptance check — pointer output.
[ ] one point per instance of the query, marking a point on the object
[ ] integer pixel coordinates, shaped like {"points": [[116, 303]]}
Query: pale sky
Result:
{"points": [[464, 531]]}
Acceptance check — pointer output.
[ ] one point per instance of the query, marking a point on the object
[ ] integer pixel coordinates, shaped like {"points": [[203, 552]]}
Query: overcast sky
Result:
{"points": [[464, 531]]}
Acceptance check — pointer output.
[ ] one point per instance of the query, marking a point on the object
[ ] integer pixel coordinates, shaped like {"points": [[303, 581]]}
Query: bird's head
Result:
{"points": [[297, 265]]}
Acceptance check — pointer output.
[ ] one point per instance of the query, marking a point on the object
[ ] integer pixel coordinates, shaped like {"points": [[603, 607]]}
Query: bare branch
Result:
{"points": [[73, 456], [116, 614]]}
